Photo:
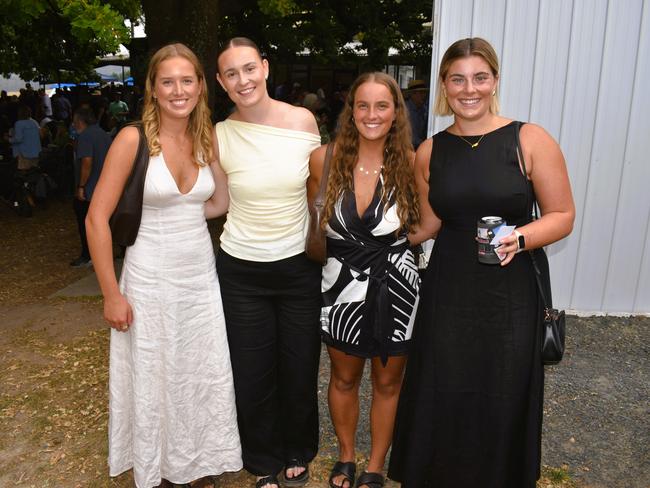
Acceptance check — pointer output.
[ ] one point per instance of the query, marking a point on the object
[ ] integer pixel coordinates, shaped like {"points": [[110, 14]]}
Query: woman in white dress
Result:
{"points": [[172, 404]]}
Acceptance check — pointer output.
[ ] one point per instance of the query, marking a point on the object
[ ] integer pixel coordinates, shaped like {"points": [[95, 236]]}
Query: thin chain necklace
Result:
{"points": [[473, 145]]}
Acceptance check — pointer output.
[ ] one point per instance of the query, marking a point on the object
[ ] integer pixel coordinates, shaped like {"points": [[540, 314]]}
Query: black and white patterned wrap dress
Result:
{"points": [[370, 281]]}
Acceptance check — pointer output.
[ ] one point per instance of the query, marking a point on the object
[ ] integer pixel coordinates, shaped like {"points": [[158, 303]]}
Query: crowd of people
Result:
{"points": [[214, 359], [56, 145]]}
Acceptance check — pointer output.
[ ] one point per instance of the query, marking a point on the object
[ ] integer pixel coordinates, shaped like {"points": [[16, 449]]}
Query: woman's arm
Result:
{"points": [[547, 170], [218, 203], [429, 224], [116, 170], [316, 161]]}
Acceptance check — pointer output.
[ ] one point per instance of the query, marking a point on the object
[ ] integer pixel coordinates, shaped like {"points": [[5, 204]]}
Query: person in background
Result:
{"points": [[26, 139], [118, 108], [46, 103], [271, 292], [470, 410], [370, 281], [61, 106], [418, 110], [314, 104], [92, 147]]}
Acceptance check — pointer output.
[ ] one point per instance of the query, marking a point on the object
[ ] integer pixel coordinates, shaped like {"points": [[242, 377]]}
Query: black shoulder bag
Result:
{"points": [[125, 221], [553, 320]]}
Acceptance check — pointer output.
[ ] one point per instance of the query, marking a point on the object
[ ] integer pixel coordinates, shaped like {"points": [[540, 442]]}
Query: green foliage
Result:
{"points": [[41, 38], [334, 31], [277, 8]]}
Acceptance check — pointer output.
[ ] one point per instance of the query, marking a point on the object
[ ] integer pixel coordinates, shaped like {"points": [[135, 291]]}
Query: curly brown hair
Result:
{"points": [[200, 125], [397, 169]]}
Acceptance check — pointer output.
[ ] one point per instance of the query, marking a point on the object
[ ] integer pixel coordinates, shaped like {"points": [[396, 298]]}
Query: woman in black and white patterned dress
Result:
{"points": [[370, 281]]}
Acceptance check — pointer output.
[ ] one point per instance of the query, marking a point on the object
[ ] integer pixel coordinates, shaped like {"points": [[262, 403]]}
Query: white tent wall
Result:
{"points": [[580, 69]]}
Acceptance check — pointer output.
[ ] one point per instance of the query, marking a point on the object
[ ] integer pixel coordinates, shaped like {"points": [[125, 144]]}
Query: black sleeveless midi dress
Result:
{"points": [[470, 410]]}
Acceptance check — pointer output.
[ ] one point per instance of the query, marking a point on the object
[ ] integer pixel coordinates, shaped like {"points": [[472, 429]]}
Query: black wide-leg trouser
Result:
{"points": [[272, 312]]}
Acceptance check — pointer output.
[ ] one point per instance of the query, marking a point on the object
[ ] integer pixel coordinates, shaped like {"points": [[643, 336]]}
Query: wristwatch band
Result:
{"points": [[521, 241]]}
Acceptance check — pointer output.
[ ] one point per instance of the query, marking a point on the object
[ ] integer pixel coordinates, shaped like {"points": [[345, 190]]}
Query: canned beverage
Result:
{"points": [[486, 229]]}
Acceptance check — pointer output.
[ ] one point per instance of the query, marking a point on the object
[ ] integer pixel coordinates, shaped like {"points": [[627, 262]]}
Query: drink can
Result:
{"points": [[486, 229]]}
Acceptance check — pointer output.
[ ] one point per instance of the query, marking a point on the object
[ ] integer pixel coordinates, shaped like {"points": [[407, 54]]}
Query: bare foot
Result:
{"points": [[269, 484], [294, 471]]}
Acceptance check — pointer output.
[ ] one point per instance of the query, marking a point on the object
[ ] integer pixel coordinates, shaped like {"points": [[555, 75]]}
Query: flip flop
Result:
{"points": [[349, 470], [371, 480], [299, 480], [267, 480]]}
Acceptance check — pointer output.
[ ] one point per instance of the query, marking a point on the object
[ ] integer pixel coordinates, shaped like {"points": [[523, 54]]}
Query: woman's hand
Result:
{"points": [[509, 246], [118, 312]]}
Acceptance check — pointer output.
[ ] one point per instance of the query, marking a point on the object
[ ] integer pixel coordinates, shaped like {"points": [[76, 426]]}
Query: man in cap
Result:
{"points": [[416, 105]]}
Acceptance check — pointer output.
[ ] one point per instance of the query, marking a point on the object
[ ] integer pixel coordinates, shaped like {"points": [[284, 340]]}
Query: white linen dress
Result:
{"points": [[171, 398]]}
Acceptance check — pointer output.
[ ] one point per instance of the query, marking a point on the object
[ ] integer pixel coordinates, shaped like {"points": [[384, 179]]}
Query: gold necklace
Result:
{"points": [[473, 145], [374, 171]]}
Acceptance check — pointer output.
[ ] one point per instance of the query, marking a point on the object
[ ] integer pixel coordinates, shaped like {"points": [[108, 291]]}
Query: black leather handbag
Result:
{"points": [[316, 242], [553, 320], [125, 221]]}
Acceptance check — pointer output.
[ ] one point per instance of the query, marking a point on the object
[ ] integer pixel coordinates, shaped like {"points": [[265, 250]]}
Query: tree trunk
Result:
{"points": [[194, 23]]}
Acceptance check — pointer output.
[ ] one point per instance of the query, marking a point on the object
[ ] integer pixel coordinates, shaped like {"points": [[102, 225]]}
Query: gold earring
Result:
{"points": [[494, 92]]}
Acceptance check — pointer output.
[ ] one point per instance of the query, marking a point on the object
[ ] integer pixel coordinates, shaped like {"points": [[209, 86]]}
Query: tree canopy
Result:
{"points": [[39, 39], [333, 31]]}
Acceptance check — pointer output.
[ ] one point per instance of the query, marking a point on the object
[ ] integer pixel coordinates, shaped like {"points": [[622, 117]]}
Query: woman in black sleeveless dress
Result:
{"points": [[470, 410]]}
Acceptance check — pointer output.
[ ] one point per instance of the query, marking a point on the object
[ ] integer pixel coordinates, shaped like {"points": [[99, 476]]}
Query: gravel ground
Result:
{"points": [[597, 422], [597, 403], [596, 411]]}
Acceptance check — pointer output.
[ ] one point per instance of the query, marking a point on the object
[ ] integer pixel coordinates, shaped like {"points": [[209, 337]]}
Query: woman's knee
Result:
{"points": [[387, 387], [345, 383]]}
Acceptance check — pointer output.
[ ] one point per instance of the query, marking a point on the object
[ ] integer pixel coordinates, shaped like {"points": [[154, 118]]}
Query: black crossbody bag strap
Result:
{"points": [[520, 155]]}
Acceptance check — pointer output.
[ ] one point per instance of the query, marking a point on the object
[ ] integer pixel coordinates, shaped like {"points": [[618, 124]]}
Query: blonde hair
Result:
{"points": [[200, 125], [397, 171], [472, 46]]}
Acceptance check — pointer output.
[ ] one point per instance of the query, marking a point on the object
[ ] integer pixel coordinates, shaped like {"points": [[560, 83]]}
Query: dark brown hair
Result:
{"points": [[237, 42], [397, 169]]}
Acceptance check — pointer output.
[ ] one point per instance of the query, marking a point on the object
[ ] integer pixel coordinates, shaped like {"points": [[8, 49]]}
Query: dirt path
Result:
{"points": [[53, 381]]}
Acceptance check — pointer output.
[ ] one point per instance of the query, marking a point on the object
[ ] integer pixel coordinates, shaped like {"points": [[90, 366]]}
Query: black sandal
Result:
{"points": [[299, 480], [267, 480], [348, 470], [371, 480]]}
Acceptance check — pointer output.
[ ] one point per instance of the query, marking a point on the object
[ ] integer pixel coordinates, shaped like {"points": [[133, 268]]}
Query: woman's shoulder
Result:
{"points": [[319, 152], [128, 136], [534, 134], [295, 118]]}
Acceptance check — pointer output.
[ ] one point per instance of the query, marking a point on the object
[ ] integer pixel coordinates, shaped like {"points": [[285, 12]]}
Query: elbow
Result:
{"points": [[92, 221], [569, 220]]}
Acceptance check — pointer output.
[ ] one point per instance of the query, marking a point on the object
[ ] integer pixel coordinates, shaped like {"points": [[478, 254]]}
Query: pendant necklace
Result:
{"points": [[473, 145]]}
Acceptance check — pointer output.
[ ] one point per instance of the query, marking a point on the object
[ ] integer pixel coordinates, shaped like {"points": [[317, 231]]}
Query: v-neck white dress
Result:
{"points": [[172, 400]]}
